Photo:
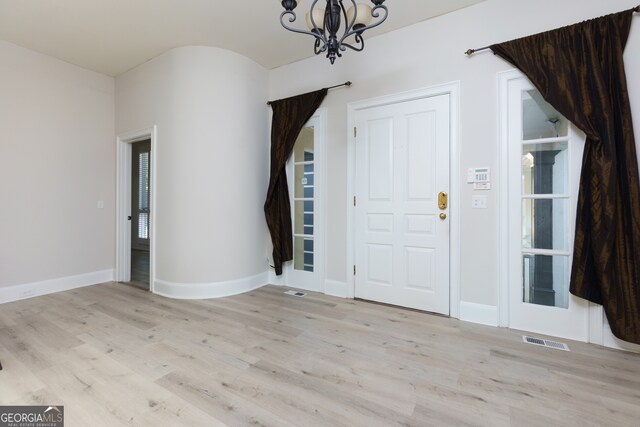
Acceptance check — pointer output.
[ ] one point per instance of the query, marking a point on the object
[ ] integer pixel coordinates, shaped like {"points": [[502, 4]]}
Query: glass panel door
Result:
{"points": [[303, 172], [544, 157]]}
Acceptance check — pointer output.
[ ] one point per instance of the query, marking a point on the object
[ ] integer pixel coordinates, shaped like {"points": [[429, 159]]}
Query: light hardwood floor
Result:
{"points": [[140, 269], [116, 355]]}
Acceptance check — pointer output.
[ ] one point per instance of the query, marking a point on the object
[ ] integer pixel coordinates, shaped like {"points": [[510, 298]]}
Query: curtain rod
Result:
{"points": [[470, 52], [347, 84]]}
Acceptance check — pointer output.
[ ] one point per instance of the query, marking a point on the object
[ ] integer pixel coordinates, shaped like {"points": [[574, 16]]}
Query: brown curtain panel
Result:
{"points": [[289, 116], [580, 71]]}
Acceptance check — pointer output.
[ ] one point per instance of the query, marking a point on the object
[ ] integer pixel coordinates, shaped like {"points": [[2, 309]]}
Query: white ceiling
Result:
{"points": [[113, 36]]}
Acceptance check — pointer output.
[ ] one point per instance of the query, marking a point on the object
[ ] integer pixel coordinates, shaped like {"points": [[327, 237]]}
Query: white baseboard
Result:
{"points": [[600, 331], [611, 341], [45, 287], [210, 290], [336, 288], [479, 313], [596, 324], [280, 280]]}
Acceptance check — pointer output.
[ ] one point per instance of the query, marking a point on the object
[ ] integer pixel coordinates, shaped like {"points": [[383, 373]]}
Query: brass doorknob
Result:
{"points": [[443, 216]]}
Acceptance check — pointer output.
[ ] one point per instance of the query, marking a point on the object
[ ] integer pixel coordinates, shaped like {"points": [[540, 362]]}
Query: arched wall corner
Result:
{"points": [[210, 290], [212, 123]]}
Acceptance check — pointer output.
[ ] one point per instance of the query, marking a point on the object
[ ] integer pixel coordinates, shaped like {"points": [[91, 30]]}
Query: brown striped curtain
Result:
{"points": [[289, 117], [579, 70]]}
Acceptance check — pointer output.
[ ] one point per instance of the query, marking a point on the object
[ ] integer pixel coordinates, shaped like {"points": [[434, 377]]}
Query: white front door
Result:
{"points": [[401, 233], [543, 154]]}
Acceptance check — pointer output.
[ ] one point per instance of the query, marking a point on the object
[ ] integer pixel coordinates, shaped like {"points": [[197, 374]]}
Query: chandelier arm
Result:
{"points": [[359, 40], [376, 14], [349, 25], [316, 47], [292, 18], [315, 25]]}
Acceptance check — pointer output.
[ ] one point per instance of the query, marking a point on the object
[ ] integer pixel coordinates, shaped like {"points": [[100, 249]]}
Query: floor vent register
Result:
{"points": [[545, 343], [296, 294]]}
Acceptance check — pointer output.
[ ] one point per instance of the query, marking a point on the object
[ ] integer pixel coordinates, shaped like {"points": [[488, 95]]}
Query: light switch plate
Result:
{"points": [[479, 202]]}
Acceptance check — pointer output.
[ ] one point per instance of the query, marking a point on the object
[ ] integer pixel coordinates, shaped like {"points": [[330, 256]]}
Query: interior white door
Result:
{"points": [[401, 233], [544, 154], [305, 177]]}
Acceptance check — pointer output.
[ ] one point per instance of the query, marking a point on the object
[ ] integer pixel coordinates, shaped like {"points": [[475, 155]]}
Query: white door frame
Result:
{"points": [[503, 80], [453, 90], [123, 203]]}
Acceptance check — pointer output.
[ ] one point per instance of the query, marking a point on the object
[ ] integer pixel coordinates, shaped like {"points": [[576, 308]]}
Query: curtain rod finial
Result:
{"points": [[348, 83], [469, 52]]}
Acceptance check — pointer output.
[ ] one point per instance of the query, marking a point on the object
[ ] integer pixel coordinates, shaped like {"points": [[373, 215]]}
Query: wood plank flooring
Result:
{"points": [[116, 355], [140, 269]]}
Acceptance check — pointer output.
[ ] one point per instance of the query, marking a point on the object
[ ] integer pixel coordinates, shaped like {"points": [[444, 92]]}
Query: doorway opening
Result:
{"points": [[140, 213], [136, 189]]}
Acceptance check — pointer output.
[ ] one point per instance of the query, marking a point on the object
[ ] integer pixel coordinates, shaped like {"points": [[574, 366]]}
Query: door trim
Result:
{"points": [[503, 79], [453, 90], [123, 203]]}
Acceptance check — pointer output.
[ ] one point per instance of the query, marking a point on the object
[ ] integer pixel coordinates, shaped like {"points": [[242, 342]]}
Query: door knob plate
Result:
{"points": [[443, 200]]}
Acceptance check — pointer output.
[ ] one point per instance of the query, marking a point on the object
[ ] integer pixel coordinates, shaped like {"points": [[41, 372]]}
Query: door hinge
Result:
{"points": [[354, 200], [354, 270], [355, 132]]}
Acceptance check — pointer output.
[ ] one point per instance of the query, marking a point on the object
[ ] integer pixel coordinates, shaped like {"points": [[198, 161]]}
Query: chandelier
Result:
{"points": [[325, 22]]}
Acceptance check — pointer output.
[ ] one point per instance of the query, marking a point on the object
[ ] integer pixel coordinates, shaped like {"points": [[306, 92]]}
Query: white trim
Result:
{"points": [[123, 203], [277, 280], [453, 90], [210, 290], [45, 287], [596, 324], [336, 288], [320, 247], [503, 79], [479, 313], [454, 201], [611, 341]]}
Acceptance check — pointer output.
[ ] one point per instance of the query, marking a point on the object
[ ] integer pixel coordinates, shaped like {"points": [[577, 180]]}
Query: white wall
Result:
{"points": [[57, 159], [210, 109], [428, 54]]}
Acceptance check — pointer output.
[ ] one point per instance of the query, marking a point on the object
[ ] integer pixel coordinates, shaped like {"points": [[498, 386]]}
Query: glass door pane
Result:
{"points": [[545, 203], [303, 200]]}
